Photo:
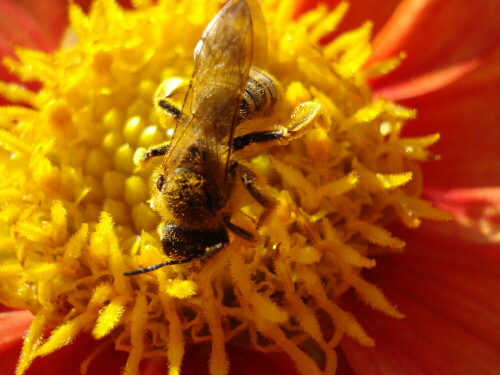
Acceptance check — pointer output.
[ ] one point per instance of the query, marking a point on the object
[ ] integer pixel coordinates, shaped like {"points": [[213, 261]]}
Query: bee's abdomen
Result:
{"points": [[260, 96]]}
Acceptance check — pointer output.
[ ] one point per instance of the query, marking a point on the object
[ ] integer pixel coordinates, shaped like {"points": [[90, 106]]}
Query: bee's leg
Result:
{"points": [[249, 178], [209, 251], [242, 141], [238, 230], [156, 151], [142, 155], [170, 109], [303, 116]]}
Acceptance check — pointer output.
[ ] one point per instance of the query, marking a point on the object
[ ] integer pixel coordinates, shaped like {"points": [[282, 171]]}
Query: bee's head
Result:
{"points": [[180, 243]]}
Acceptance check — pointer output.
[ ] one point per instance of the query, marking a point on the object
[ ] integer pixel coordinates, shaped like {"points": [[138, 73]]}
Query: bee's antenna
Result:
{"points": [[156, 266]]}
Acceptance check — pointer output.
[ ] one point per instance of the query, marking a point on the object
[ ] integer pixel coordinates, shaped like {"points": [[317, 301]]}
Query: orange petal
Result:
{"points": [[476, 211], [446, 288], [428, 83], [13, 324], [466, 114], [26, 26], [436, 35], [242, 361], [17, 26], [49, 15], [68, 360], [39, 24]]}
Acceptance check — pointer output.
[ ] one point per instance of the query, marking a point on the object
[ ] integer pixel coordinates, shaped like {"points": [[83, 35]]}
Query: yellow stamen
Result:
{"points": [[76, 209]]}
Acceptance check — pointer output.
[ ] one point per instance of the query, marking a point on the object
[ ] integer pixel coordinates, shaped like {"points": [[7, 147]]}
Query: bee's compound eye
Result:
{"points": [[160, 182]]}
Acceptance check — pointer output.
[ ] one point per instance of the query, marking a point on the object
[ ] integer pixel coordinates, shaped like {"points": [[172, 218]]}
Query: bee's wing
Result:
{"points": [[259, 53], [223, 58]]}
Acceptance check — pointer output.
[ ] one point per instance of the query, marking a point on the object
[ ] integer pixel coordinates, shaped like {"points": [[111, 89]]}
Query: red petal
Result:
{"points": [[428, 83], [242, 362], [437, 34], [467, 115], [20, 28], [447, 288], [33, 24], [13, 324], [248, 362], [49, 15], [47, 18], [476, 211], [7, 309], [66, 361]]}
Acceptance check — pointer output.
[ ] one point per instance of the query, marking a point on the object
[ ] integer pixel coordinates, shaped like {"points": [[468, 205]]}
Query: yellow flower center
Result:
{"points": [[76, 214]]}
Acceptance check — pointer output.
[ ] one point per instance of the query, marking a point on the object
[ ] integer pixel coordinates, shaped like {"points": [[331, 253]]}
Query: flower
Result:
{"points": [[53, 198]]}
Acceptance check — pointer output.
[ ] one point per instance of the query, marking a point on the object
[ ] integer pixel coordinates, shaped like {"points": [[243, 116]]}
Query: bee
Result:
{"points": [[200, 165]]}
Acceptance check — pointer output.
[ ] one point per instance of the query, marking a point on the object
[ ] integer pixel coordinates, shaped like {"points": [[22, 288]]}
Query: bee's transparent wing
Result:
{"points": [[223, 58], [259, 53]]}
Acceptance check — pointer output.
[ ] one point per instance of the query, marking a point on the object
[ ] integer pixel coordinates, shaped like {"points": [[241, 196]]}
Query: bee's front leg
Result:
{"points": [[142, 155], [155, 151], [170, 109]]}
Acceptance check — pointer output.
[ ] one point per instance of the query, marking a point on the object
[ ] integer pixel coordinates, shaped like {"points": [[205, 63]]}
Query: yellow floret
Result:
{"points": [[75, 209]]}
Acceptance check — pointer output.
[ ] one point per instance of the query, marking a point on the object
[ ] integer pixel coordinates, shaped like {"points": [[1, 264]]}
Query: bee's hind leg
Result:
{"points": [[142, 155], [243, 141], [249, 180], [303, 117], [238, 230]]}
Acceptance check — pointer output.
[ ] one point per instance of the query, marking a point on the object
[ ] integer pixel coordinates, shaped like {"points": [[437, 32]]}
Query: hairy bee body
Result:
{"points": [[190, 193], [200, 165], [261, 94], [194, 202]]}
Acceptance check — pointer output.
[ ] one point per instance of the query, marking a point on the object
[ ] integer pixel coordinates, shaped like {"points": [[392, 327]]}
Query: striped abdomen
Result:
{"points": [[261, 94]]}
